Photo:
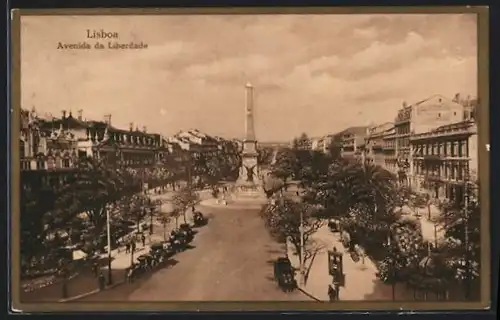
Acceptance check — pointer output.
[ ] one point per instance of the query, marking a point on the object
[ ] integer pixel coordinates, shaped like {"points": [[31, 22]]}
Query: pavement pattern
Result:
{"points": [[231, 260]]}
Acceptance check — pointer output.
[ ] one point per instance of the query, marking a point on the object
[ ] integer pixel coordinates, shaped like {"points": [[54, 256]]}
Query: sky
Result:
{"points": [[317, 74]]}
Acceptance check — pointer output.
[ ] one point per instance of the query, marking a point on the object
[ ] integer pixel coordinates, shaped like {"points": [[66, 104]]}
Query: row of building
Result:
{"points": [[431, 145], [50, 147]]}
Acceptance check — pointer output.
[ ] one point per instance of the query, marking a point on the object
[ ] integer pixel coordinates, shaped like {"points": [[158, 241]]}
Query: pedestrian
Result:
{"points": [[130, 274], [127, 247], [143, 239], [95, 268], [332, 294], [102, 281], [132, 246]]}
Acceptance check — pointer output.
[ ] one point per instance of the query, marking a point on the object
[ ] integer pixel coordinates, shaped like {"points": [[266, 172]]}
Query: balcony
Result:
{"points": [[431, 157], [433, 177], [454, 131]]}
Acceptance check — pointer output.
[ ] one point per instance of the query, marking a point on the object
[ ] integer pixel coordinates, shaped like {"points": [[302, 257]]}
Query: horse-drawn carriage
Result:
{"points": [[199, 219], [334, 225], [187, 231], [161, 251], [284, 274], [178, 240]]}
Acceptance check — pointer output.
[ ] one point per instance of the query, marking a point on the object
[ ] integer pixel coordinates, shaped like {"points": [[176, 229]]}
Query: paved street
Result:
{"points": [[231, 261]]}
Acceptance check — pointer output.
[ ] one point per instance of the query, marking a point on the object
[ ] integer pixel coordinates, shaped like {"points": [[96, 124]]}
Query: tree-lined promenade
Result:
{"points": [[306, 190], [74, 214], [369, 206]]}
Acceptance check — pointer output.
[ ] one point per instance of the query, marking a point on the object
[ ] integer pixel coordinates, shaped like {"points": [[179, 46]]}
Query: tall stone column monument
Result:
{"points": [[248, 192], [249, 180]]}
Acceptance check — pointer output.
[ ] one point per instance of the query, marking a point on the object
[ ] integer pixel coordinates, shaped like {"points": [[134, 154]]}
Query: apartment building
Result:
{"points": [[445, 158], [420, 117]]}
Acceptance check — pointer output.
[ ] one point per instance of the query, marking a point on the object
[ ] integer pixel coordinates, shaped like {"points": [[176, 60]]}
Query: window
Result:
{"points": [[66, 163], [439, 115], [40, 164], [21, 150]]}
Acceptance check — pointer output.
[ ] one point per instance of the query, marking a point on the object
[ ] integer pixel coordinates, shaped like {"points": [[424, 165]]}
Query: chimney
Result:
{"points": [[80, 114], [131, 126], [64, 114], [107, 119], [457, 98], [144, 129], [405, 104]]}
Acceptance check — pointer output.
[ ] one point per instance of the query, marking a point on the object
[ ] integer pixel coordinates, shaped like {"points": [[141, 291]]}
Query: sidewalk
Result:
{"points": [[361, 282], [430, 231], [122, 260], [86, 282]]}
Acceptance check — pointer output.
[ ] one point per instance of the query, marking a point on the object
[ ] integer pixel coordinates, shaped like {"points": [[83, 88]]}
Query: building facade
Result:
{"points": [[50, 148], [420, 117], [376, 152], [47, 155], [445, 158], [353, 141]]}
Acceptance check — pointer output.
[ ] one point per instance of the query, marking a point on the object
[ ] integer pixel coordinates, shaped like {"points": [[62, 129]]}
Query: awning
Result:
{"points": [[79, 254]]}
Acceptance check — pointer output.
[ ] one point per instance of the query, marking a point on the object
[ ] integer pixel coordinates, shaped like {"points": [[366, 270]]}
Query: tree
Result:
{"points": [[284, 167], [364, 196], [35, 208], [335, 147], [272, 185], [283, 220], [265, 156], [213, 170], [182, 200], [164, 218], [366, 188], [461, 220], [93, 188], [135, 207], [301, 143], [313, 167]]}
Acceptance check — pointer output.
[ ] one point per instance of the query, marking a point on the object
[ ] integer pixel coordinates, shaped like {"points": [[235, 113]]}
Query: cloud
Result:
{"points": [[312, 73]]}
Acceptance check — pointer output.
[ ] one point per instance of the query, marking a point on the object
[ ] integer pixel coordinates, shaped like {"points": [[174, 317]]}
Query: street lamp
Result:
{"points": [[117, 164], [301, 230], [392, 252], [108, 229]]}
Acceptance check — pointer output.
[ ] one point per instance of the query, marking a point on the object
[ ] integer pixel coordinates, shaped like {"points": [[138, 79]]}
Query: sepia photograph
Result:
{"points": [[322, 158]]}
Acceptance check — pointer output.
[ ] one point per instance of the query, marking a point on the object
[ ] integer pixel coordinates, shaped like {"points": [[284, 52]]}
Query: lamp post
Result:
{"points": [[151, 222], [117, 164], [108, 229], [392, 251], [301, 230], [466, 238]]}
